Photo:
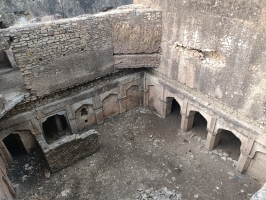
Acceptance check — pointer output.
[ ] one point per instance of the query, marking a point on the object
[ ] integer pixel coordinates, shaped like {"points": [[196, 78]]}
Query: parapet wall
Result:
{"points": [[57, 55]]}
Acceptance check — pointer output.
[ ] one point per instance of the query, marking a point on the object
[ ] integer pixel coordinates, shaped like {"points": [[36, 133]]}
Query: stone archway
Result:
{"points": [[55, 127], [14, 145], [229, 143], [199, 126]]}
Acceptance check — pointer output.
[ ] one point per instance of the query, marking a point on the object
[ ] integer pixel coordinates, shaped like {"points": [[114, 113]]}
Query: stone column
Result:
{"points": [[123, 105], [186, 122], [167, 108], [59, 125], [243, 162], [6, 155], [99, 115], [212, 140]]}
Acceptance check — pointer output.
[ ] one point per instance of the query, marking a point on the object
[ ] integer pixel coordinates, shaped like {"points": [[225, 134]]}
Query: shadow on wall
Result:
{"points": [[55, 127]]}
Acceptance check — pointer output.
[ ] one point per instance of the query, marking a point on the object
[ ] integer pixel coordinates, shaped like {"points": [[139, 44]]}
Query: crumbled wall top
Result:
{"points": [[61, 54]]}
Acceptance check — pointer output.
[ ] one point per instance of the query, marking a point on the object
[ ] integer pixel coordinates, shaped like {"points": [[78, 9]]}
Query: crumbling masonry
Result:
{"points": [[59, 78]]}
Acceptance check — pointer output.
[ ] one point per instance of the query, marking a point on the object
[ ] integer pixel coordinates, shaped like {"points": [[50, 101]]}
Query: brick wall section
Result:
{"points": [[71, 149], [61, 54]]}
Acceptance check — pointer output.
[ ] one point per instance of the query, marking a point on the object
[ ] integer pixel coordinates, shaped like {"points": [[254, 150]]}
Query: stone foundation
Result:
{"points": [[71, 149]]}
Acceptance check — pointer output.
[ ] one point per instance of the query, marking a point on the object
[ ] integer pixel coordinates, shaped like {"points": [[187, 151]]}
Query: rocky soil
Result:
{"points": [[143, 157]]}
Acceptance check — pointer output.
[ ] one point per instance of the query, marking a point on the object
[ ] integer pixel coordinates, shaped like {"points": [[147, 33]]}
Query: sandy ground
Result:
{"points": [[141, 151]]}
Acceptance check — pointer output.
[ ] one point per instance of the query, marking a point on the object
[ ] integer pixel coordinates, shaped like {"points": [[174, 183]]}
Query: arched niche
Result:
{"points": [[55, 127], [229, 143], [200, 124], [18, 143], [110, 106], [85, 116]]}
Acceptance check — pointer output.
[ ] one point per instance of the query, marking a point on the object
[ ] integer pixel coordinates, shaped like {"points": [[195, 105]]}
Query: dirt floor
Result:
{"points": [[143, 157]]}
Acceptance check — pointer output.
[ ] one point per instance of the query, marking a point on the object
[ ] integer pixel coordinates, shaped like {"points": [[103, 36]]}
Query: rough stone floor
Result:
{"points": [[143, 157]]}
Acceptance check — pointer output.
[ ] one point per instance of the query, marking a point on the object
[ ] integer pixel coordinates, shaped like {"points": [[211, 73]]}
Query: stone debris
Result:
{"points": [[223, 155], [223, 158], [261, 194], [231, 173], [162, 194], [24, 178], [65, 192], [47, 173]]}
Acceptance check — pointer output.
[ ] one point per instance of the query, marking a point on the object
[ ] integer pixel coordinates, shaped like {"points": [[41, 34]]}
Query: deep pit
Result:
{"points": [[151, 100], [141, 152]]}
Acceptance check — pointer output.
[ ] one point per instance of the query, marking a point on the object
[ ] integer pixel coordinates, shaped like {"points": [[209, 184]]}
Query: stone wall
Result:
{"points": [[158, 95], [7, 190], [87, 47], [217, 48], [82, 108], [71, 149]]}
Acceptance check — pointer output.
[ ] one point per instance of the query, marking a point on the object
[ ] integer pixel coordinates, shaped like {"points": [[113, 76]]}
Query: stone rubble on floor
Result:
{"points": [[162, 194], [224, 156]]}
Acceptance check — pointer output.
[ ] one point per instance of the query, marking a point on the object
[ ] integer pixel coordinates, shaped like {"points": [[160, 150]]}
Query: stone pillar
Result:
{"points": [[99, 115], [73, 125], [186, 122], [212, 140], [123, 105], [6, 155], [243, 162], [167, 108], [59, 125]]}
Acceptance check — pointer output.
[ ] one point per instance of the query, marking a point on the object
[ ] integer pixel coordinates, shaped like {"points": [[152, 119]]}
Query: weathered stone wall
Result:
{"points": [[6, 188], [217, 48], [101, 99], [159, 93], [47, 53], [71, 149], [14, 12]]}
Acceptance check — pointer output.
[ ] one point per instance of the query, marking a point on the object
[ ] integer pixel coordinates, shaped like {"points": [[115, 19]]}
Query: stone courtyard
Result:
{"points": [[132, 99], [142, 156]]}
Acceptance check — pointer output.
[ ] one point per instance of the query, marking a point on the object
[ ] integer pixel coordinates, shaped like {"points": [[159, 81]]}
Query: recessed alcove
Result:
{"points": [[55, 127]]}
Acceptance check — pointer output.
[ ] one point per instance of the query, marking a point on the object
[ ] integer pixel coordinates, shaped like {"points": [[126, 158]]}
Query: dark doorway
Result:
{"points": [[200, 126], [229, 144], [55, 127], [5, 64], [175, 116], [14, 145], [175, 107]]}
